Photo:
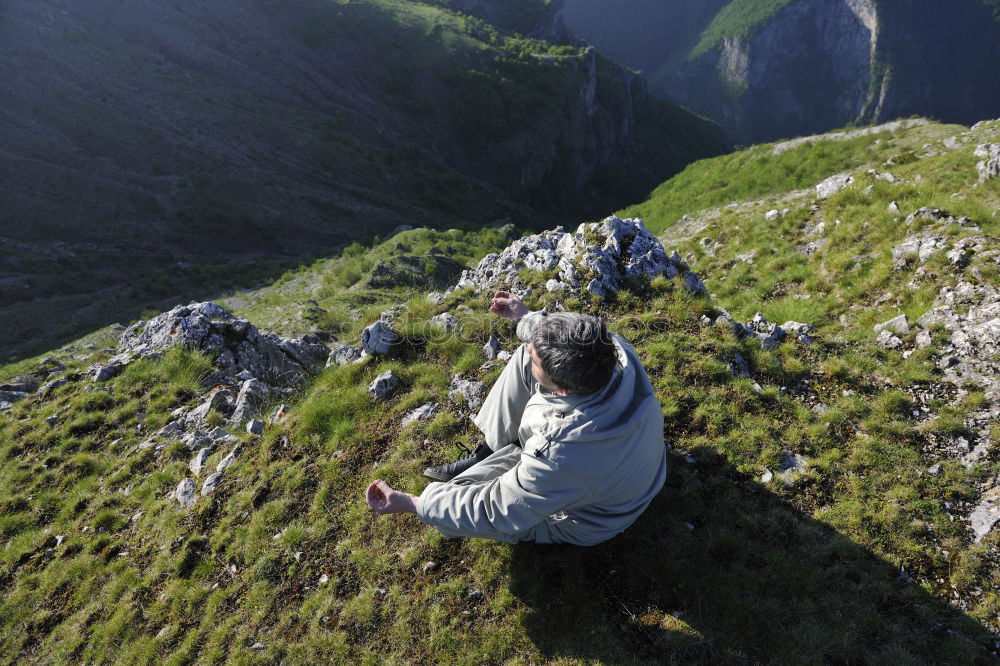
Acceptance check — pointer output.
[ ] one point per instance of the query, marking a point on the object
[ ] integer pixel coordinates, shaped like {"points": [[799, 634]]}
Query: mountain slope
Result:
{"points": [[153, 148], [829, 495], [783, 68]]}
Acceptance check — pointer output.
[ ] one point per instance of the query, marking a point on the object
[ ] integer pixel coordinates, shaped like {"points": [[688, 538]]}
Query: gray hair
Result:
{"points": [[576, 351]]}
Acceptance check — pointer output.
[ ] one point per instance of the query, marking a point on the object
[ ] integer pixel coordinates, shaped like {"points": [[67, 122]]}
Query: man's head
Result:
{"points": [[575, 352]]}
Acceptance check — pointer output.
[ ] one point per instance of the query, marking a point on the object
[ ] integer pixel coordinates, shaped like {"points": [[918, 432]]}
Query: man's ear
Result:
{"points": [[562, 393]]}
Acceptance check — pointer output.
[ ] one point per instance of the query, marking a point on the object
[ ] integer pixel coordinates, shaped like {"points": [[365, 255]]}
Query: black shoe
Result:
{"points": [[450, 470]]}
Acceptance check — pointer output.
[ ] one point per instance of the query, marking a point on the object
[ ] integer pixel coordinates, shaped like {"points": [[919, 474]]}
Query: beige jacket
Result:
{"points": [[590, 465]]}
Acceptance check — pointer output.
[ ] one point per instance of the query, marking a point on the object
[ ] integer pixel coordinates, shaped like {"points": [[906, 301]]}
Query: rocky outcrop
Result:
{"points": [[599, 258], [990, 166], [236, 344]]}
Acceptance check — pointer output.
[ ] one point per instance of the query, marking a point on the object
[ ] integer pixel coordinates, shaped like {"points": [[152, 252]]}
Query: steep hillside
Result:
{"points": [[152, 149], [786, 68], [831, 491]]}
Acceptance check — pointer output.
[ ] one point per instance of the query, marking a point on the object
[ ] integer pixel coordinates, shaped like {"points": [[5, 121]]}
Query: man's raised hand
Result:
{"points": [[508, 306]]}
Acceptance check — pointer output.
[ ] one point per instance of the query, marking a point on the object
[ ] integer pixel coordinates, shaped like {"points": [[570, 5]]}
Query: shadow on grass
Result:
{"points": [[755, 581]]}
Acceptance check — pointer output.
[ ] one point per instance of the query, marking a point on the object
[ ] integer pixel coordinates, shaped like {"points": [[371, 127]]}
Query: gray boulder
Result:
{"points": [[198, 461], [342, 353], [990, 166], [252, 396], [384, 385], [492, 348], [986, 514], [255, 427], [833, 184], [888, 340], [421, 413], [211, 483], [899, 325], [228, 460], [236, 344], [471, 392], [446, 321], [770, 335], [185, 493], [378, 339]]}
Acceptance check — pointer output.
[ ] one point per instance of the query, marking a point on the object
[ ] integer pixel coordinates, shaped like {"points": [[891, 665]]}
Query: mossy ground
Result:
{"points": [[284, 562]]}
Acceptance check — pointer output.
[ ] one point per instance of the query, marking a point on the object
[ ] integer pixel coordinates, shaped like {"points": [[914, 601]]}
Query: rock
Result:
{"points": [[737, 365], [54, 419], [51, 386], [429, 567], [694, 285], [792, 465], [899, 325], [255, 427], [923, 339], [236, 344], [211, 483], [986, 514], [888, 340], [934, 470], [492, 348], [195, 440], [102, 372], [833, 184], [772, 215], [446, 321], [471, 392], [378, 339], [894, 207], [384, 385], [504, 355], [767, 476], [185, 493], [257, 647], [436, 297], [198, 461], [228, 460], [746, 257], [421, 413], [797, 328], [990, 166], [172, 429], [279, 414], [770, 335], [342, 353], [220, 401], [610, 253], [252, 396]]}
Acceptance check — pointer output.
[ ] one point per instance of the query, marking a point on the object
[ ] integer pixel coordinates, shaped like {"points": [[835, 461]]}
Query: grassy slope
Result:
{"points": [[736, 19], [721, 569]]}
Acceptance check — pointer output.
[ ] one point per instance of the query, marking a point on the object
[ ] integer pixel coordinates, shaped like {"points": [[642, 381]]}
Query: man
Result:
{"points": [[574, 441]]}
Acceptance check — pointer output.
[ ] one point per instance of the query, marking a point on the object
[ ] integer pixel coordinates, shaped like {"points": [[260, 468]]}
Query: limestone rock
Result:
{"points": [[342, 353], [599, 257], [792, 465], [738, 365], [833, 184], [888, 340], [421, 413], [990, 166], [228, 460], [770, 335], [378, 339], [236, 344], [471, 392], [198, 461], [384, 385], [252, 396], [446, 321], [986, 514], [492, 348], [185, 493], [211, 483], [255, 427], [899, 325], [102, 372]]}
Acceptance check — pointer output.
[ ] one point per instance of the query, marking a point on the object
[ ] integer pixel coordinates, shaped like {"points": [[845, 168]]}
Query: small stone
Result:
{"points": [[384, 385], [342, 353], [185, 493], [198, 461], [766, 476], [471, 392], [446, 321], [323, 579], [211, 483], [421, 413], [898, 325], [934, 470], [888, 340], [255, 427], [258, 647], [429, 567], [228, 460], [894, 207], [492, 348], [59, 539]]}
